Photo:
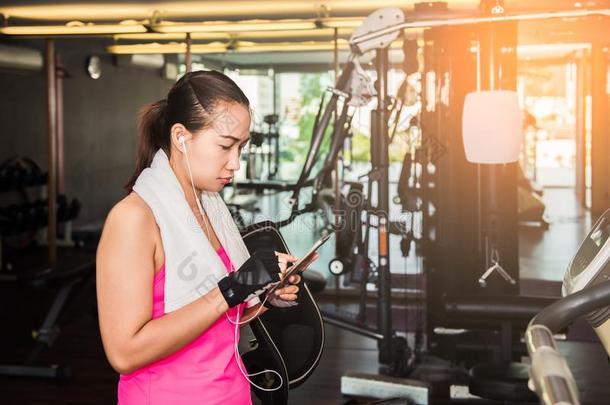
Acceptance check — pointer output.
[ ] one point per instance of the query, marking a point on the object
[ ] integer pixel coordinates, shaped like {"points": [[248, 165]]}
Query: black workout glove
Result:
{"points": [[256, 275]]}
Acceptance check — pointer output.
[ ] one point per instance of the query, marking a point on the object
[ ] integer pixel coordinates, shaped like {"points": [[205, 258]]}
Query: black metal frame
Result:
{"points": [[471, 204]]}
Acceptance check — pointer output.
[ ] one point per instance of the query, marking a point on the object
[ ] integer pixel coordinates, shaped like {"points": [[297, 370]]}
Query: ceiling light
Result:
{"points": [[215, 47], [283, 34], [241, 26], [209, 9], [72, 28], [342, 22], [154, 48]]}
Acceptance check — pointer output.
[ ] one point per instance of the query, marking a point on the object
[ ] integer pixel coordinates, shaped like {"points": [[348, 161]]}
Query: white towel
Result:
{"points": [[192, 267]]}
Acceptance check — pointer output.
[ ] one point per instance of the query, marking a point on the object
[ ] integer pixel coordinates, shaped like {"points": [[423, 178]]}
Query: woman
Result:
{"points": [[182, 350]]}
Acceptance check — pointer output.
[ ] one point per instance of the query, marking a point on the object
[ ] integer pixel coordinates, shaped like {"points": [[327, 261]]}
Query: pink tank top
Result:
{"points": [[203, 372]]}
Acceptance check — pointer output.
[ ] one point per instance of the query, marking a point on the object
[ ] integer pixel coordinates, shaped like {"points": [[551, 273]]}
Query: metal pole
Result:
{"points": [[362, 330], [493, 70], [274, 92], [477, 20], [580, 127], [188, 56], [52, 150], [337, 186], [479, 168], [600, 142], [379, 157], [490, 208], [60, 74]]}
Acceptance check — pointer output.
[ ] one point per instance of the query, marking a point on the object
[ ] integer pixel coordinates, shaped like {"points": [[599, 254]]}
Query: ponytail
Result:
{"points": [[151, 129]]}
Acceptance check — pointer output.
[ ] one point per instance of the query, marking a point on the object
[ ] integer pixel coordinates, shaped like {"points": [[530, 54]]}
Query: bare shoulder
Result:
{"points": [[131, 214], [129, 220]]}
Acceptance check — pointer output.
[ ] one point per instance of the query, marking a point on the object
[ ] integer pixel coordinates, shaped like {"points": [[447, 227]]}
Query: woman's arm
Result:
{"points": [[124, 273]]}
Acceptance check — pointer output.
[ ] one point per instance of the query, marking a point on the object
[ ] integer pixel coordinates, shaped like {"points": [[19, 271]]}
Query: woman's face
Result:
{"points": [[214, 151]]}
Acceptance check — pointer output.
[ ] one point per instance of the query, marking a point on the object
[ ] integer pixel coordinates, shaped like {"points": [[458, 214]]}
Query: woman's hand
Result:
{"points": [[290, 289], [287, 295]]}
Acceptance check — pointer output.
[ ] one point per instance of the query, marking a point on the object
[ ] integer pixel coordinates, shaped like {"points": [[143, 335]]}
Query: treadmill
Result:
{"points": [[586, 290]]}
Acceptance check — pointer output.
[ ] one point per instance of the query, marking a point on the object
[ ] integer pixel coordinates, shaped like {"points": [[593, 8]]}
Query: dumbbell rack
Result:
{"points": [[66, 240], [31, 269], [27, 176], [15, 175]]}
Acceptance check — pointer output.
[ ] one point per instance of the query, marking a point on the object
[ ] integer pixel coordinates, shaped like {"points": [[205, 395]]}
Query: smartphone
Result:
{"points": [[302, 264]]}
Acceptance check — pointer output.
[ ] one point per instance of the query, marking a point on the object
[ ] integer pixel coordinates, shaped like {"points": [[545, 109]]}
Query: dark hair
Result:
{"points": [[191, 102]]}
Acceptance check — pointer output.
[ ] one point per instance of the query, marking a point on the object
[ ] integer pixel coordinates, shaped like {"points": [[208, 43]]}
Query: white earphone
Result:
{"points": [[182, 141]]}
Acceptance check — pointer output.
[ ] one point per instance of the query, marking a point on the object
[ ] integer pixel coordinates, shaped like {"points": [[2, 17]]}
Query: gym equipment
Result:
{"points": [[349, 233], [470, 214], [353, 88], [31, 216], [398, 390], [465, 210], [466, 207], [410, 191], [469, 210], [19, 172], [491, 127], [20, 224], [493, 372], [591, 266], [531, 206], [23, 260], [242, 199], [264, 150], [23, 219], [73, 270], [288, 340], [341, 93], [587, 293], [238, 203]]}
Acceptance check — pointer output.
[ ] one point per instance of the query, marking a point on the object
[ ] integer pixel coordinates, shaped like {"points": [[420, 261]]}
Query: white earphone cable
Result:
{"points": [[236, 323], [244, 373], [198, 202]]}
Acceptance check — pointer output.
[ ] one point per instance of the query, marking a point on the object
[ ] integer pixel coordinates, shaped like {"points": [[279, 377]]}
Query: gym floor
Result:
{"points": [[94, 381]]}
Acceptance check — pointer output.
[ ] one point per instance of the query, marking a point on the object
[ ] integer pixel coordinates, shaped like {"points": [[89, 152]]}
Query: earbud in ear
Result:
{"points": [[181, 139]]}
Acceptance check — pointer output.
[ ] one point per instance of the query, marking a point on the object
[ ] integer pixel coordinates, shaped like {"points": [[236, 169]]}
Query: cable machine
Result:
{"points": [[470, 238]]}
